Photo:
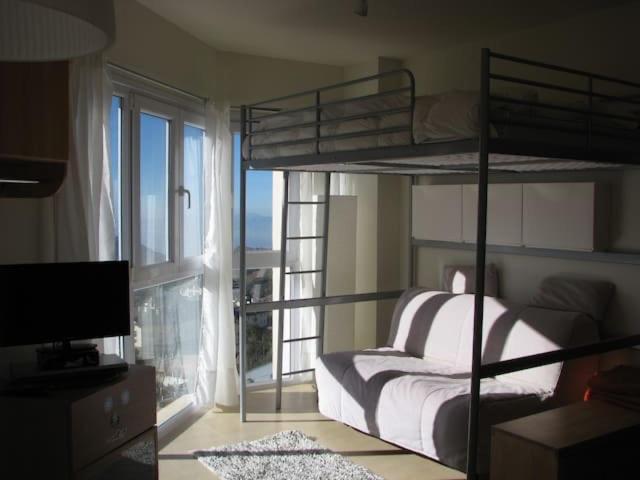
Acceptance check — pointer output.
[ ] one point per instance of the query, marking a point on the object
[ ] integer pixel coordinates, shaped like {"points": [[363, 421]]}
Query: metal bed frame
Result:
{"points": [[381, 161]]}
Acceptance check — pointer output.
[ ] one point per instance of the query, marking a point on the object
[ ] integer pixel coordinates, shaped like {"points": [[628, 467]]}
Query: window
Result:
{"points": [[157, 158], [262, 261], [263, 227], [153, 190], [115, 142], [193, 213]]}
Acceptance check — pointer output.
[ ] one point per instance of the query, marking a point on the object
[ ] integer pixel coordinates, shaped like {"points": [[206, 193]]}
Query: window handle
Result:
{"points": [[182, 191]]}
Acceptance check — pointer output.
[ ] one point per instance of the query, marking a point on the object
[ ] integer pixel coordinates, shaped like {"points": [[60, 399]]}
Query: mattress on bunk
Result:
{"points": [[444, 117], [415, 391], [448, 116]]}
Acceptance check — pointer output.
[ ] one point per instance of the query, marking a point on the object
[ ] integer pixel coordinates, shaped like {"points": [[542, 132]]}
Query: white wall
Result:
{"points": [[521, 275], [340, 328], [600, 42], [594, 42]]}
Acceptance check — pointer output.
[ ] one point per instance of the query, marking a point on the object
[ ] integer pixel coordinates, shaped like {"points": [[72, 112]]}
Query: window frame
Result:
{"points": [[153, 272], [194, 262], [140, 95]]}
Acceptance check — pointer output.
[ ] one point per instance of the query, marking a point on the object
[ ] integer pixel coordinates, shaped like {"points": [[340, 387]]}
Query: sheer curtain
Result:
{"points": [[78, 221], [83, 222], [217, 376]]}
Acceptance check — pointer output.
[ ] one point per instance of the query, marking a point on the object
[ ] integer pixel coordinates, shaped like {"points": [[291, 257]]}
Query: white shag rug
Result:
{"points": [[289, 455]]}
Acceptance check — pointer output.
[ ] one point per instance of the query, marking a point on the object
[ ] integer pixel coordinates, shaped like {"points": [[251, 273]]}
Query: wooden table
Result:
{"points": [[587, 440]]}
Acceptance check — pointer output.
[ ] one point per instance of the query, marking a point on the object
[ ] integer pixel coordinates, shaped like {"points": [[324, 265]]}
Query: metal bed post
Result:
{"points": [[283, 265], [589, 115], [243, 272], [481, 247], [412, 248], [325, 251]]}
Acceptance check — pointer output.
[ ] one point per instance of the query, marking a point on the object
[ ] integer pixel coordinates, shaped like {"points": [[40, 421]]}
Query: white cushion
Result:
{"points": [[428, 324], [439, 326], [417, 404]]}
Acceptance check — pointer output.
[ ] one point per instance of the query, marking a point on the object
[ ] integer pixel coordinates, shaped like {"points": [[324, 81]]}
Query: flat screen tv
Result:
{"points": [[60, 302]]}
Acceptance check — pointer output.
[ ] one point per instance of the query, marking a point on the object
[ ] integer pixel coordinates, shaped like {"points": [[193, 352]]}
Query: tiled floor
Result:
{"points": [[299, 412]]}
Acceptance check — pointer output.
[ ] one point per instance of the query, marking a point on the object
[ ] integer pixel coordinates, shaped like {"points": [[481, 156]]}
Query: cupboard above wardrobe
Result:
{"points": [[562, 216]]}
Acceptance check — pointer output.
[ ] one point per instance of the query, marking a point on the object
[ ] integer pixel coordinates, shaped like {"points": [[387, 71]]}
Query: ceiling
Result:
{"points": [[328, 31]]}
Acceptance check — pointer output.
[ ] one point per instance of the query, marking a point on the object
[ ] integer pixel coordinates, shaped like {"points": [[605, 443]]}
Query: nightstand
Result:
{"points": [[587, 440]]}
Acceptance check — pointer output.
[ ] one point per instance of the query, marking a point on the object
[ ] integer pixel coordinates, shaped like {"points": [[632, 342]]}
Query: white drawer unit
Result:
{"points": [[567, 216], [437, 212], [504, 215]]}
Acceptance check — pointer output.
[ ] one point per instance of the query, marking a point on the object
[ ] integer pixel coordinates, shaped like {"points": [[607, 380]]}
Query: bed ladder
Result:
{"points": [[322, 271]]}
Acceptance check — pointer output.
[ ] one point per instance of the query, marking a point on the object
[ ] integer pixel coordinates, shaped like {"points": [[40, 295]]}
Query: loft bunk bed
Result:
{"points": [[492, 131]]}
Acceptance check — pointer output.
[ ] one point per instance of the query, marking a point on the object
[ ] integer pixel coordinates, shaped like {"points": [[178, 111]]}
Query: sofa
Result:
{"points": [[414, 392]]}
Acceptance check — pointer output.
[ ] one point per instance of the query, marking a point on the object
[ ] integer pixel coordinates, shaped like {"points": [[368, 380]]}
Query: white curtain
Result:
{"points": [[83, 223], [217, 377]]}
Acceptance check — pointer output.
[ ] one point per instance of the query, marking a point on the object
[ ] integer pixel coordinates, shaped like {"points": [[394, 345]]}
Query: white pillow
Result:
{"points": [[454, 115]]}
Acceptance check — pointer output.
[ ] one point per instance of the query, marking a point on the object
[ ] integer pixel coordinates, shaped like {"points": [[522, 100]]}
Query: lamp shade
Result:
{"points": [[48, 30]]}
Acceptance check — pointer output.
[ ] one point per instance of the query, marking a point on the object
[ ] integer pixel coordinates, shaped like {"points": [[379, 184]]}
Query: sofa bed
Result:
{"points": [[414, 392]]}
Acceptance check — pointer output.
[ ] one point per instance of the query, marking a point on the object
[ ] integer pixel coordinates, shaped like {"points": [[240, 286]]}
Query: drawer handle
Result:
{"points": [[115, 420]]}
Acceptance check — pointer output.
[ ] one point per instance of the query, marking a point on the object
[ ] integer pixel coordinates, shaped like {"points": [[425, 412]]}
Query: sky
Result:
{"points": [[259, 203], [154, 176], [115, 129]]}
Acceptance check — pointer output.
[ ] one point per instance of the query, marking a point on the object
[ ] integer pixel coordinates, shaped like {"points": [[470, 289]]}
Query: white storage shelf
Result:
{"points": [[504, 215], [565, 216], [562, 216], [437, 212]]}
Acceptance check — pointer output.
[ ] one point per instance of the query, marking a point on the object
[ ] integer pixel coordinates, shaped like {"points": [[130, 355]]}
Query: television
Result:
{"points": [[61, 302]]}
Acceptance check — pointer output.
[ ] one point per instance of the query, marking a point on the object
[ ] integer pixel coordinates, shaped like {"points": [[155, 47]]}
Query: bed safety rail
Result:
{"points": [[312, 117], [584, 117]]}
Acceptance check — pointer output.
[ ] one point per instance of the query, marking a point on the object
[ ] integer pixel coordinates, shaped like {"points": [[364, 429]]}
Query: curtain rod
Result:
{"points": [[157, 82]]}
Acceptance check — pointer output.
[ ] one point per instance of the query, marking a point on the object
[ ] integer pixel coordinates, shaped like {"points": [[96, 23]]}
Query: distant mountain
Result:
{"points": [[259, 231]]}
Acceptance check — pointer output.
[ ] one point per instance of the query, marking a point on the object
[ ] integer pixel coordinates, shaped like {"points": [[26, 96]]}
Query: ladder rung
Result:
{"points": [[301, 339], [295, 372], [313, 237], [301, 272], [306, 203]]}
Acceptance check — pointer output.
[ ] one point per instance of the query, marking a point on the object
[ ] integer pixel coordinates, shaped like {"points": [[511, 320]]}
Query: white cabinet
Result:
{"points": [[568, 216], [504, 214], [560, 216], [437, 212]]}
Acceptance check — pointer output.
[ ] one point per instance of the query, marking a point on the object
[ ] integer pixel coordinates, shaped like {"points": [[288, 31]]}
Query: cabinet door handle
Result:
{"points": [[115, 420], [185, 191]]}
